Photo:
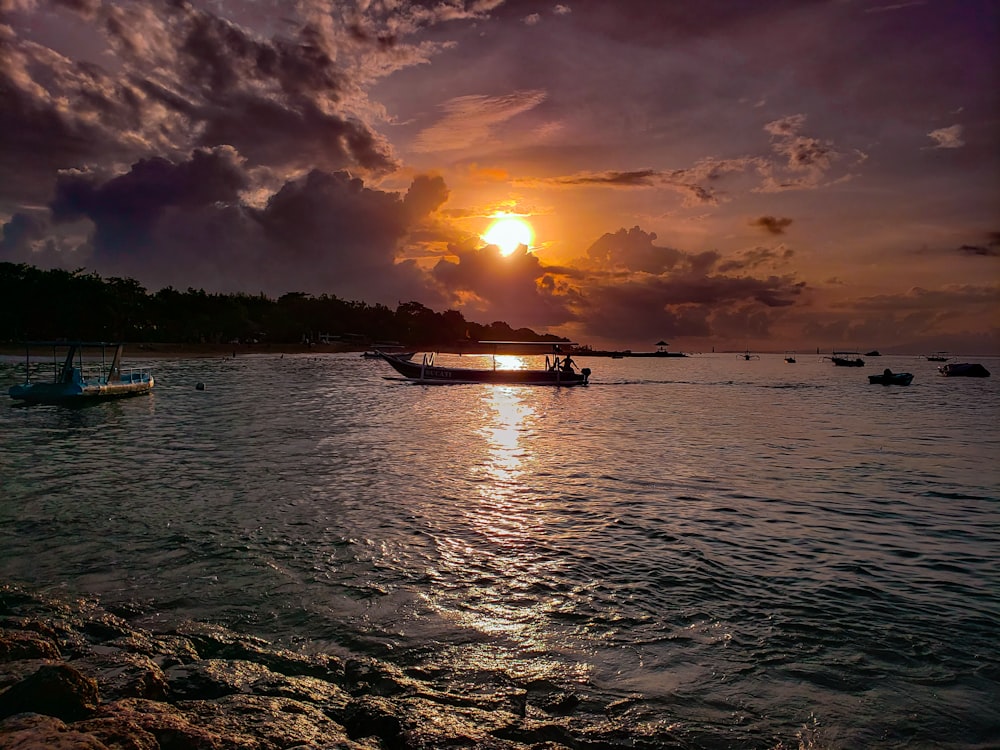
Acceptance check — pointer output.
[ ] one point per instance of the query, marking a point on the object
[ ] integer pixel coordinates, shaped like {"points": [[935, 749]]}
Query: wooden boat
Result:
{"points": [[888, 377], [847, 359], [558, 371], [964, 369], [71, 385]]}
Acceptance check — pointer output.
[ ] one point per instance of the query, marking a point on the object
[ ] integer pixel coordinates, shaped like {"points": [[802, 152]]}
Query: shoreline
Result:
{"points": [[76, 674]]}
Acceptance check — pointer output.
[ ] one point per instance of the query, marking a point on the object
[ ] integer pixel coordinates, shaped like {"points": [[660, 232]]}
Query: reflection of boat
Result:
{"points": [[790, 357], [559, 372], [847, 359], [888, 377], [71, 384], [964, 369]]}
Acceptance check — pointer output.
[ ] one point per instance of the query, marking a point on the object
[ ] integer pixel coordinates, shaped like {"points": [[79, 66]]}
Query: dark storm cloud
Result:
{"points": [[19, 234], [772, 224], [425, 195], [638, 288], [185, 224], [634, 250], [125, 209]]}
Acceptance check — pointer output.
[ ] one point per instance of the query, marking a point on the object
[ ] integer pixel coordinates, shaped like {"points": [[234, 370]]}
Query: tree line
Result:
{"points": [[37, 304]]}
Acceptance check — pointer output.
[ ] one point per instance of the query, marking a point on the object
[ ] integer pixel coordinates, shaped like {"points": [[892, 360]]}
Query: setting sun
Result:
{"points": [[508, 233]]}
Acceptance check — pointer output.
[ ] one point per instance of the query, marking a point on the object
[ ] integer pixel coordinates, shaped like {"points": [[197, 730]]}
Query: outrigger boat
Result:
{"points": [[558, 371], [72, 386]]}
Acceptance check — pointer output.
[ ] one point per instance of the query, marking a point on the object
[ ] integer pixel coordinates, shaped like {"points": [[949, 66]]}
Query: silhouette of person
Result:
{"points": [[568, 364]]}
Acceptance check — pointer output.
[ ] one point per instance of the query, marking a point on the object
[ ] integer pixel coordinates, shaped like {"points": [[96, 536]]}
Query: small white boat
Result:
{"points": [[72, 385]]}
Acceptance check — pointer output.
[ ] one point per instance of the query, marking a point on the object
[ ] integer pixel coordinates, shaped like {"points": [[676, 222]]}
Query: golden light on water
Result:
{"points": [[508, 233]]}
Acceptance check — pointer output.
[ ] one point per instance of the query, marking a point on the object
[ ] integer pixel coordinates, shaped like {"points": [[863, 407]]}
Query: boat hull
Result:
{"points": [[964, 370], [436, 375], [897, 378], [86, 392]]}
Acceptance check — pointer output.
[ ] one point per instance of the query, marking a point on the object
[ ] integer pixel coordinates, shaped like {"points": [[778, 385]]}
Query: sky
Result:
{"points": [[770, 175]]}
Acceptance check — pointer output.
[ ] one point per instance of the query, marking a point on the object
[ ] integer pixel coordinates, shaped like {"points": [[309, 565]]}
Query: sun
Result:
{"points": [[509, 233]]}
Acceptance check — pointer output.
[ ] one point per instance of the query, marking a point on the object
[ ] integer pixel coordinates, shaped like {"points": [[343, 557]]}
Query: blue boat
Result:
{"points": [[73, 385]]}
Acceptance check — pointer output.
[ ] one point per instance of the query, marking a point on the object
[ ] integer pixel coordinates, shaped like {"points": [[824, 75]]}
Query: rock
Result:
{"points": [[54, 690], [35, 732], [165, 723], [16, 645]]}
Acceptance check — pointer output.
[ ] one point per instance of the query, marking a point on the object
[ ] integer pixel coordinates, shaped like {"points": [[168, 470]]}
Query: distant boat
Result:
{"points": [[661, 351], [964, 369], [847, 359], [873, 353], [790, 357], [747, 356], [71, 385], [888, 377], [557, 372], [938, 357]]}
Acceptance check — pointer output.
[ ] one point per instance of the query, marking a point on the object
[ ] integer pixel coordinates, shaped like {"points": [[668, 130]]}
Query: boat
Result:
{"points": [[72, 384], [661, 351], [888, 377], [847, 359], [559, 371], [747, 356], [790, 357], [873, 353], [964, 369], [937, 357]]}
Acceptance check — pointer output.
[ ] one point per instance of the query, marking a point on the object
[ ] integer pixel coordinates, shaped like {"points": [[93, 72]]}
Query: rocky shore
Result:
{"points": [[76, 675]]}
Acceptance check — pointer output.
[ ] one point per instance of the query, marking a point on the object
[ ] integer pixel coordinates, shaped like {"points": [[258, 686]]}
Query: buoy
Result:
{"points": [[200, 386]]}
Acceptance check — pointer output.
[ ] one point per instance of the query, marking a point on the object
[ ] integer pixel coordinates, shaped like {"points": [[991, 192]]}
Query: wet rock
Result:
{"points": [[54, 690], [263, 723], [34, 731], [168, 725], [373, 716], [16, 645], [121, 674]]}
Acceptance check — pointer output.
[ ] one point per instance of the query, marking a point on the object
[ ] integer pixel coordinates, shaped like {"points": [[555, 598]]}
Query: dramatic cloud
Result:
{"points": [[125, 209]]}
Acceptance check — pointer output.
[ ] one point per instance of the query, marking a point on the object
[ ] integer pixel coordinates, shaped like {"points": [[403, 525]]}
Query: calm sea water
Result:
{"points": [[751, 553]]}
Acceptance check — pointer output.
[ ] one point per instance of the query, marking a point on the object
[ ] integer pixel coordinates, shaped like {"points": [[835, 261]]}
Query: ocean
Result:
{"points": [[746, 554]]}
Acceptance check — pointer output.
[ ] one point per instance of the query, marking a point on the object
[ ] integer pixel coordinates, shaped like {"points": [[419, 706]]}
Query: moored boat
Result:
{"points": [[847, 359], [559, 371], [888, 377], [72, 385], [964, 369]]}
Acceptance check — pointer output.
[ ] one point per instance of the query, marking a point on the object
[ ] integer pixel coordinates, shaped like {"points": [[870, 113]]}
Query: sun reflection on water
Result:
{"points": [[501, 568]]}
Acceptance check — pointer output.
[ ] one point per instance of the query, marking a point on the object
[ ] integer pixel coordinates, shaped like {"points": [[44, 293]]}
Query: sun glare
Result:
{"points": [[508, 233]]}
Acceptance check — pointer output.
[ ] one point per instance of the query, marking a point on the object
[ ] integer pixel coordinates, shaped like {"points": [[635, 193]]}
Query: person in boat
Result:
{"points": [[567, 365], [887, 373]]}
